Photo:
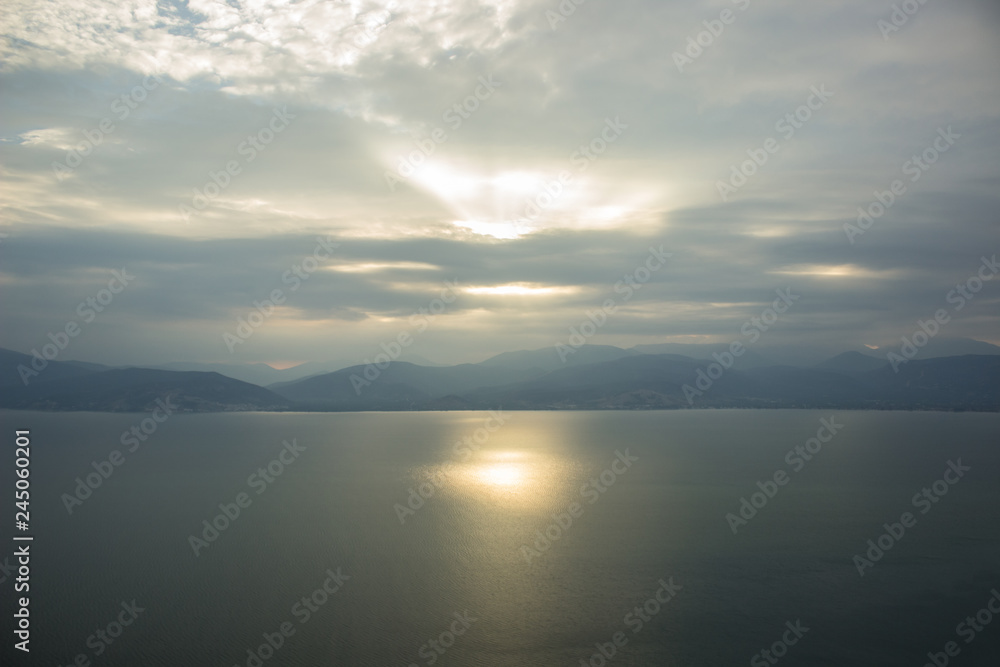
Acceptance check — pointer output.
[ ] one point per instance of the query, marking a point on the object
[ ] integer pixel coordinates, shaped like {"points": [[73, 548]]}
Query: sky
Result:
{"points": [[477, 177]]}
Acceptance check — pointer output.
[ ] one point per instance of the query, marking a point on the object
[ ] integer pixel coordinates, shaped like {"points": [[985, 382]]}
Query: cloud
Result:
{"points": [[365, 85]]}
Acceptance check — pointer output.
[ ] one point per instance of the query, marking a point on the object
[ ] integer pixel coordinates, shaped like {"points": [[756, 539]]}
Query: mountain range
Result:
{"points": [[667, 376]]}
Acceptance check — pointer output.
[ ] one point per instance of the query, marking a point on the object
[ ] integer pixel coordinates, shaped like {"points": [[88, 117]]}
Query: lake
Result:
{"points": [[521, 538]]}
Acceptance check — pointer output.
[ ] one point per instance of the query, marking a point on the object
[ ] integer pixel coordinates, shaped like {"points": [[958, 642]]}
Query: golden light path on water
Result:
{"points": [[494, 516], [512, 476], [527, 480], [520, 466], [502, 475]]}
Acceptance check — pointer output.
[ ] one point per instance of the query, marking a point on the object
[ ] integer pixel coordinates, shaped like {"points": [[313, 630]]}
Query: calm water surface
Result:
{"points": [[350, 500]]}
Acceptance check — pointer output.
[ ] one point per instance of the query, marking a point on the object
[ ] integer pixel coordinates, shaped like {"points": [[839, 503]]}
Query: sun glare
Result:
{"points": [[498, 230], [368, 267], [520, 289], [834, 271], [502, 475]]}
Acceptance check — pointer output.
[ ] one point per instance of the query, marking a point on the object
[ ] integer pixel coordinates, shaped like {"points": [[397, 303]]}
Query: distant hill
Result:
{"points": [[137, 390], [549, 359], [259, 374], [971, 381], [852, 363], [265, 375], [636, 380], [530, 380], [748, 359], [55, 370], [400, 385], [948, 347], [658, 381]]}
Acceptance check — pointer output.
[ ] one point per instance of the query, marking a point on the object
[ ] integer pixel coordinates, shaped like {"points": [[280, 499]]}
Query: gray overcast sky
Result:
{"points": [[338, 119]]}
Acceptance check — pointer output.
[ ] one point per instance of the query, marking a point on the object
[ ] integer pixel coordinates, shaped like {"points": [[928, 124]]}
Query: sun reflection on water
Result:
{"points": [[502, 470], [521, 470], [501, 475], [524, 478]]}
